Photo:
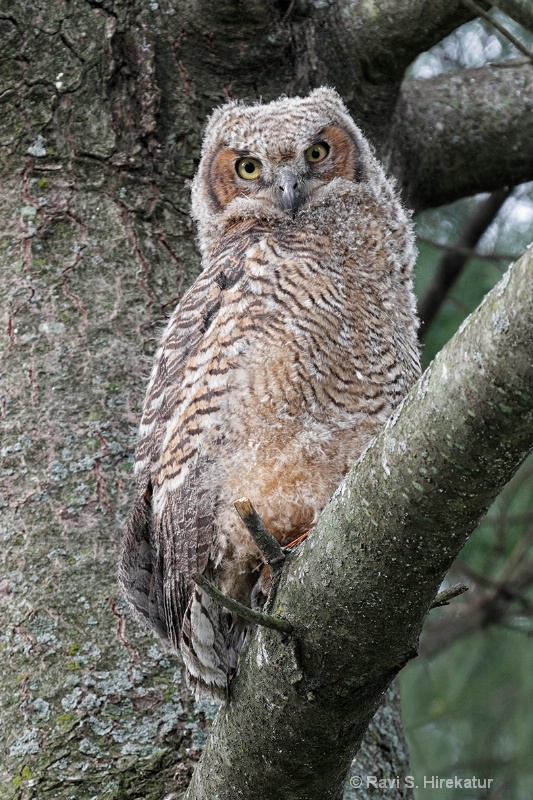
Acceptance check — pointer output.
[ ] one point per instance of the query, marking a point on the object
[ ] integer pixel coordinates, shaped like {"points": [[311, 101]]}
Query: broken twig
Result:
{"points": [[443, 598], [255, 617], [270, 548]]}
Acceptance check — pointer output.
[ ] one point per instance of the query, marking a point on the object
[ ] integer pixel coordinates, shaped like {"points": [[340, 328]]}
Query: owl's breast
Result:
{"points": [[311, 332]]}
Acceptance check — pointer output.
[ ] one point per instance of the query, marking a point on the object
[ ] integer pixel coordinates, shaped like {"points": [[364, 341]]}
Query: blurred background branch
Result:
{"points": [[451, 264]]}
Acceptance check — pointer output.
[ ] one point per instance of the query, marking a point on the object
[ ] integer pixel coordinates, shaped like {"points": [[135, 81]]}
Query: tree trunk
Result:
{"points": [[96, 247], [103, 109]]}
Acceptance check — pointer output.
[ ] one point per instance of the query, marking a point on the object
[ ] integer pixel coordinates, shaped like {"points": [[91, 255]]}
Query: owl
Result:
{"points": [[276, 369]]}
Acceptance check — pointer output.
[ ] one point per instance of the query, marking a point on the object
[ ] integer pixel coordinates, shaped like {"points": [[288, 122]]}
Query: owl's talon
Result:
{"points": [[261, 589], [298, 540]]}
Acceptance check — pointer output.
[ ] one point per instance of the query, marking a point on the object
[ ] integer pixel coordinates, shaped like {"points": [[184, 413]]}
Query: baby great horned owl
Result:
{"points": [[276, 369]]}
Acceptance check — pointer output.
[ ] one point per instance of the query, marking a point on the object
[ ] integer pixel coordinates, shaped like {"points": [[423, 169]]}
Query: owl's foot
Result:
{"points": [[298, 540], [261, 589]]}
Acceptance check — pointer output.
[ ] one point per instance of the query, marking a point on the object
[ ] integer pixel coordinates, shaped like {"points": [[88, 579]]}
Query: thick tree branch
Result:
{"points": [[460, 134], [261, 49], [365, 54], [399, 32], [359, 589], [251, 50]]}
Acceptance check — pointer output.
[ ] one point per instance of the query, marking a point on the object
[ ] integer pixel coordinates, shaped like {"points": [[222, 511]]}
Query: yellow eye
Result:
{"points": [[317, 152], [248, 168]]}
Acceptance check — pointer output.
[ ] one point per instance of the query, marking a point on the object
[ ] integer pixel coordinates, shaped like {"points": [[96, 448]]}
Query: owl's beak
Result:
{"points": [[290, 197]]}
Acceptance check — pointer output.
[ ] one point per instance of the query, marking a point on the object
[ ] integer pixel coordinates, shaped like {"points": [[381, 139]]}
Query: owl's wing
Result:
{"points": [[161, 554], [165, 546]]}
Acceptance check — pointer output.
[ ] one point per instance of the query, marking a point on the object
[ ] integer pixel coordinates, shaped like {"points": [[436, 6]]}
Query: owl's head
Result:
{"points": [[276, 160]]}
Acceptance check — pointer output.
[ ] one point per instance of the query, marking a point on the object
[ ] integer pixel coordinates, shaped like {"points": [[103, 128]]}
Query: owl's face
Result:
{"points": [[284, 174], [274, 160]]}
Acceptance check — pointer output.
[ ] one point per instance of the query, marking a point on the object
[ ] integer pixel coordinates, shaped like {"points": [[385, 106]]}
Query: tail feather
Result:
{"points": [[211, 640], [140, 574]]}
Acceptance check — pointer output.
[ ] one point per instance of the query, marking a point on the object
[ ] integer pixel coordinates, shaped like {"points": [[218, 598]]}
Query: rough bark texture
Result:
{"points": [[102, 109], [95, 235], [456, 131]]}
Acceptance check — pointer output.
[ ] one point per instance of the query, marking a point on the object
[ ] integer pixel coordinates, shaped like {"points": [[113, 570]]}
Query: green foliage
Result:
{"points": [[468, 713], [506, 531], [468, 710], [479, 276]]}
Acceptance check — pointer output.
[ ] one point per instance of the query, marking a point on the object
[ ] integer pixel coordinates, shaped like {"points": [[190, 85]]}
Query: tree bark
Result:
{"points": [[95, 243], [103, 106], [453, 135]]}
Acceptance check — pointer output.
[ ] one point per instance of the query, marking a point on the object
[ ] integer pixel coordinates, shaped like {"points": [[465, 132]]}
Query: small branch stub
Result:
{"points": [[255, 617], [267, 544], [443, 598]]}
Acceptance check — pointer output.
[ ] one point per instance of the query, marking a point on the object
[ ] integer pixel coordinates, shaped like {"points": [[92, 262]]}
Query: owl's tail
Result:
{"points": [[211, 641]]}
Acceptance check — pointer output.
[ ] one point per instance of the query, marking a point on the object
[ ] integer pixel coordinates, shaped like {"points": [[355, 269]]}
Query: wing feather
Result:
{"points": [[169, 541]]}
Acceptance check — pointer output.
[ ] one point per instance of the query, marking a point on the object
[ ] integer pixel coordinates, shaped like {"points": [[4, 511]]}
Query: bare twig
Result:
{"points": [[288, 13], [443, 598], [495, 24], [519, 10], [468, 252], [514, 566], [255, 617], [452, 263], [491, 607]]}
